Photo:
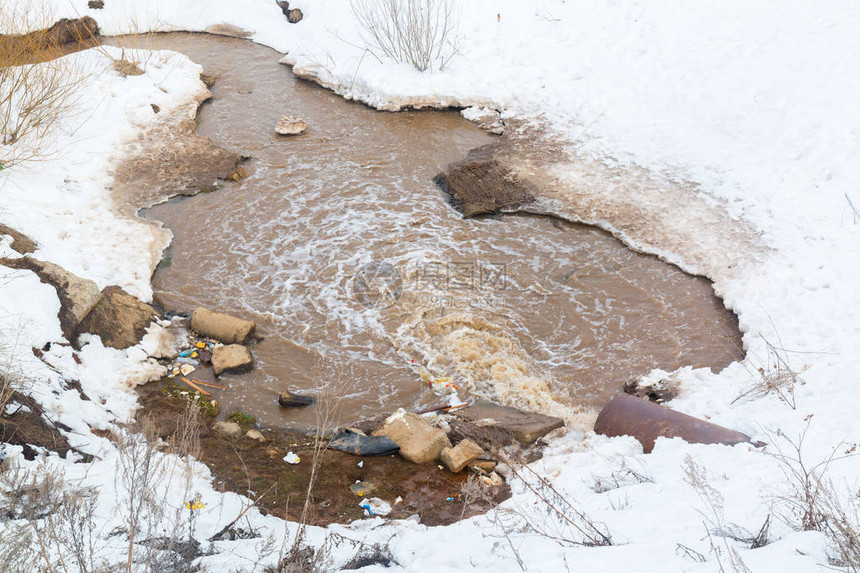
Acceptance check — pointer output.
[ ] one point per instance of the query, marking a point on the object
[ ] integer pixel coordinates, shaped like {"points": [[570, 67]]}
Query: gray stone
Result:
{"points": [[233, 358], [228, 428], [256, 435], [483, 464], [526, 427], [228, 329], [461, 455], [419, 442], [290, 126]]}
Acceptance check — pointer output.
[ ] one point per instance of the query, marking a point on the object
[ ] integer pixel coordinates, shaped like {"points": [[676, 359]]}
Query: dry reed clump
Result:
{"points": [[810, 501], [422, 33], [38, 88]]}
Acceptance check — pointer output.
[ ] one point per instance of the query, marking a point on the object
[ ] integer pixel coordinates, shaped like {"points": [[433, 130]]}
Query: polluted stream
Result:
{"points": [[365, 283]]}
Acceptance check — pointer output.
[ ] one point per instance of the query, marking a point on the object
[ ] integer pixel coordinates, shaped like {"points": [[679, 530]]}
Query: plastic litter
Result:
{"points": [[195, 503], [375, 506], [357, 443], [292, 458]]}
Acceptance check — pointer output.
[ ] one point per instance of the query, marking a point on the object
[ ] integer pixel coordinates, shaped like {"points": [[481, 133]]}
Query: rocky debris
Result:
{"points": [[290, 126], [228, 428], [118, 318], [419, 442], [480, 184], [232, 358], [227, 329], [461, 455], [660, 391], [95, 4], [288, 399], [492, 480], [356, 442], [208, 79], [525, 427], [77, 296], [483, 464], [238, 173], [21, 243], [294, 16], [255, 435]]}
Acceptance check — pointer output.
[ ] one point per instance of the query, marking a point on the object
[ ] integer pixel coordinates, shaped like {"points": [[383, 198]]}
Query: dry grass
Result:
{"points": [[422, 33], [810, 501], [774, 377], [717, 531], [34, 98], [331, 383]]}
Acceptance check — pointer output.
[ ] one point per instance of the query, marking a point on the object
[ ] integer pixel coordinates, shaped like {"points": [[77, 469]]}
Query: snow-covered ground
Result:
{"points": [[753, 105]]}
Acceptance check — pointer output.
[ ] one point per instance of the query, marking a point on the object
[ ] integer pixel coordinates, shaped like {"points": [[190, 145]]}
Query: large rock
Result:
{"points": [[461, 455], [526, 427], [290, 126], [118, 318], [233, 358], [228, 428], [227, 329], [481, 184], [419, 442], [77, 296]]}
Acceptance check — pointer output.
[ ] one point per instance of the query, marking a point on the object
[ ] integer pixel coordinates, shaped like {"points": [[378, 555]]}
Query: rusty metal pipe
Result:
{"points": [[626, 415]]}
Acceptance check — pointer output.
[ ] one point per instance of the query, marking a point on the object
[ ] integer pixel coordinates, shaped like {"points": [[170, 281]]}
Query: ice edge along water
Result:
{"points": [[752, 102]]}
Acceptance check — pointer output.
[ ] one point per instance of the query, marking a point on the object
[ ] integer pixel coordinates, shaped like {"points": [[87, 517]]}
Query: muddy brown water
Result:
{"points": [[530, 311]]}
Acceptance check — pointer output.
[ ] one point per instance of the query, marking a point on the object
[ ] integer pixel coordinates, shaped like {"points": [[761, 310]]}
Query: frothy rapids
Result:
{"points": [[366, 283]]}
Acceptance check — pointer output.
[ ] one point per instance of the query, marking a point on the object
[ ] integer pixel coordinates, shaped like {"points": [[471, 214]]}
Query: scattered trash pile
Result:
{"points": [[195, 354], [215, 345], [464, 437]]}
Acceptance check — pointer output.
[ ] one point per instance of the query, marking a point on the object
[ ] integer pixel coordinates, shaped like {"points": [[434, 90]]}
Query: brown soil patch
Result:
{"points": [[26, 427], [64, 37], [240, 464]]}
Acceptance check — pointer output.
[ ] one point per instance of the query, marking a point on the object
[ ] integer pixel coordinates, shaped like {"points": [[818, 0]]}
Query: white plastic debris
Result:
{"points": [[361, 464], [292, 458], [375, 506]]}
